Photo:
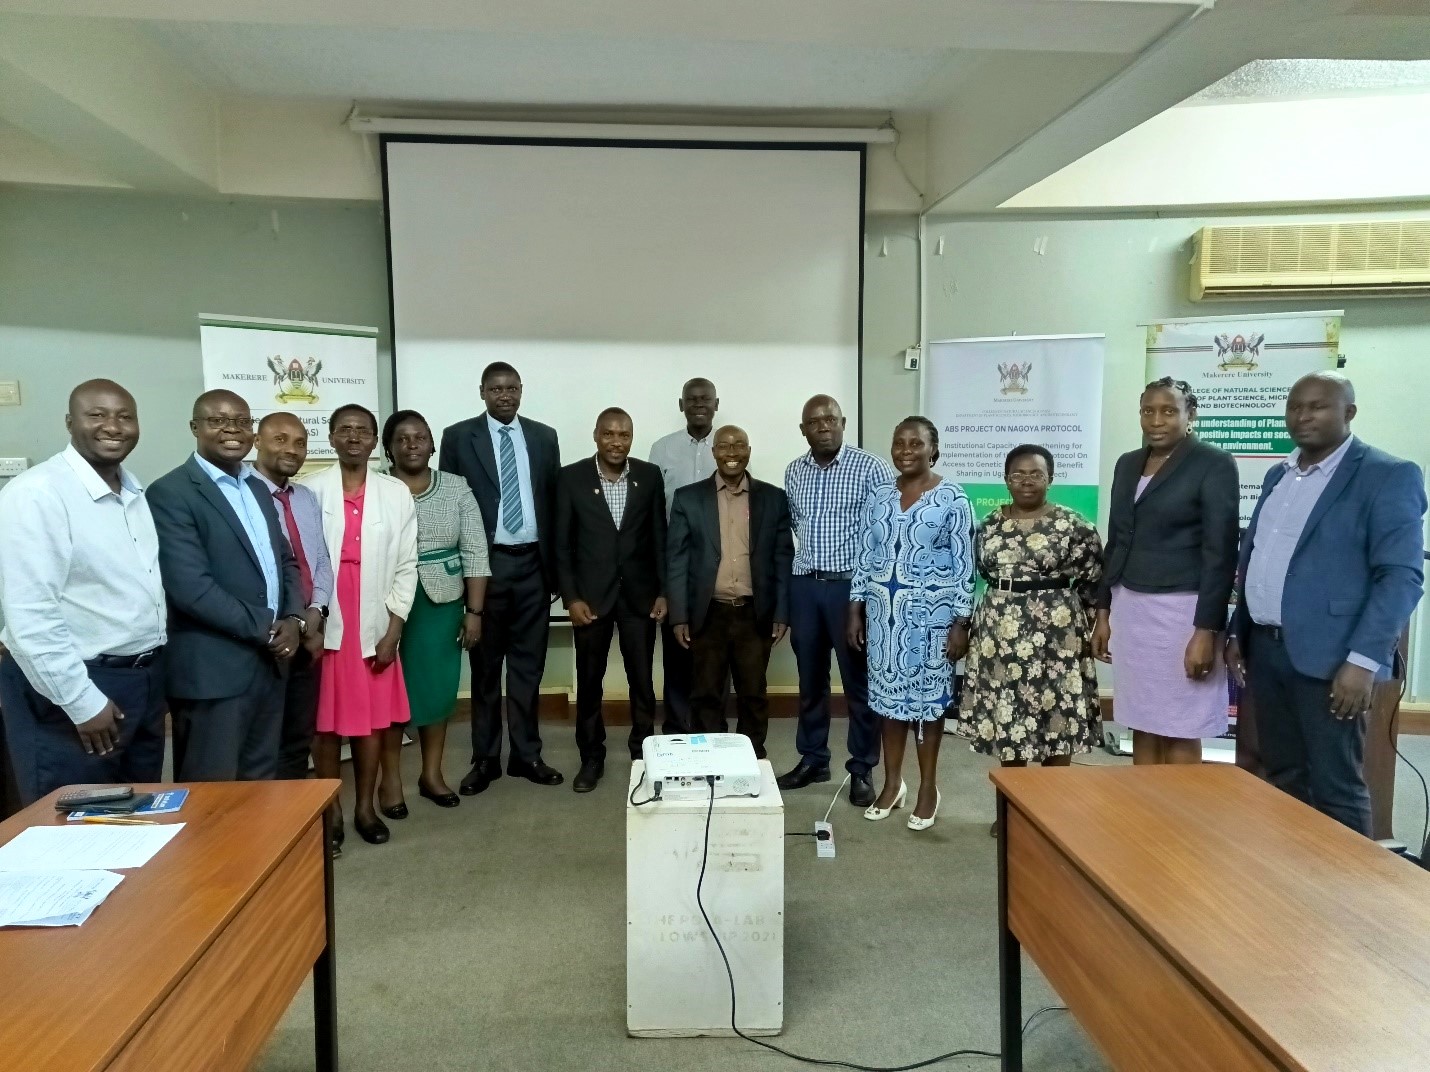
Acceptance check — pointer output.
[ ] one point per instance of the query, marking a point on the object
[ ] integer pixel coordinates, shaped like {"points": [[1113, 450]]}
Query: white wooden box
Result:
{"points": [[675, 980]]}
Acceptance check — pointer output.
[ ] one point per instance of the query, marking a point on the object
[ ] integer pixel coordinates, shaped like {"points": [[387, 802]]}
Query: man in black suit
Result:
{"points": [[235, 601], [610, 558], [511, 464], [730, 551]]}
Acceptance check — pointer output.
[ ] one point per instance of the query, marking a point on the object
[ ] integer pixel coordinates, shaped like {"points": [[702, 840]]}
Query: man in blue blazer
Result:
{"points": [[511, 464], [1331, 569], [235, 601]]}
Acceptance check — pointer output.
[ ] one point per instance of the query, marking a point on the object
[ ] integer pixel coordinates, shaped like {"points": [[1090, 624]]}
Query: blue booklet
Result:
{"points": [[165, 802]]}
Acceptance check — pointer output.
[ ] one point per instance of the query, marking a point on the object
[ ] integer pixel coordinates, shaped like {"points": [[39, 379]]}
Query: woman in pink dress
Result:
{"points": [[370, 526], [1170, 560]]}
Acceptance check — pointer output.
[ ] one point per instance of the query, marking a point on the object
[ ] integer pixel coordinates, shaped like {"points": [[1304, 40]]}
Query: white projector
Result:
{"points": [[679, 767]]}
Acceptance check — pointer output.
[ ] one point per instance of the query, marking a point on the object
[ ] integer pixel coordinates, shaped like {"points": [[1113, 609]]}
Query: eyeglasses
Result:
{"points": [[240, 424], [1028, 478]]}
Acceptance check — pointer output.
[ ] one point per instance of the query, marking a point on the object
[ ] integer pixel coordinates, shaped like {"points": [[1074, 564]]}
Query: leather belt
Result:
{"points": [[1275, 632], [125, 662], [1030, 584], [828, 575], [739, 601], [516, 548]]}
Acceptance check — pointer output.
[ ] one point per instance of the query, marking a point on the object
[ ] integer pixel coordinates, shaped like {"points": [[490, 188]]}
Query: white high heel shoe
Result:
{"points": [[915, 823], [874, 813]]}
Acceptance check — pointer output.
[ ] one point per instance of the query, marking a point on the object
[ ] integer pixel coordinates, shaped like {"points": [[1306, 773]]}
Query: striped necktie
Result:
{"points": [[512, 518]]}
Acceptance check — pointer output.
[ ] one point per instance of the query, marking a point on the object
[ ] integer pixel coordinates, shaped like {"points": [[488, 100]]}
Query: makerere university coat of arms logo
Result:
{"points": [[297, 382], [1237, 351], [1013, 377]]}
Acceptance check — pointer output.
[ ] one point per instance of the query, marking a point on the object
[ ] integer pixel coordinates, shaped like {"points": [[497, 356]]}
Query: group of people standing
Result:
{"points": [[275, 617]]}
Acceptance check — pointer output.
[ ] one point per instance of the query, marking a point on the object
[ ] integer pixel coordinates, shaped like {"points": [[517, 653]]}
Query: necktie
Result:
{"points": [[295, 539], [512, 519]]}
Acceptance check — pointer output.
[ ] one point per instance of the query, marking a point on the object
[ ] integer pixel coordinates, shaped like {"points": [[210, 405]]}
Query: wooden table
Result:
{"points": [[1196, 919], [191, 962]]}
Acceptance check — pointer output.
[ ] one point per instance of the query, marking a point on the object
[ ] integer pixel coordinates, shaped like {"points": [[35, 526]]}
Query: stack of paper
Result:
{"points": [[55, 876], [52, 898]]}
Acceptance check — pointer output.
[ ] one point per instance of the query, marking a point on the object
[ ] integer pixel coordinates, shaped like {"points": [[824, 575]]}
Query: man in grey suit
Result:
{"points": [[235, 601], [511, 464]]}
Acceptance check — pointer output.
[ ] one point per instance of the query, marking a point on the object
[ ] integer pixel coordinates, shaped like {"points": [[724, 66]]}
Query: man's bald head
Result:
{"points": [[282, 444], [281, 418], [103, 423], [216, 399], [822, 424], [1334, 380]]}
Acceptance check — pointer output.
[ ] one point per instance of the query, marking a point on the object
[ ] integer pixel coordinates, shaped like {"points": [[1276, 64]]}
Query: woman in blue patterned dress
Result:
{"points": [[910, 603]]}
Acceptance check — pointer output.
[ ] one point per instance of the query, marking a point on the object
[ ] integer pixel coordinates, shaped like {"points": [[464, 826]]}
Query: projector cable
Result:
{"points": [[730, 976]]}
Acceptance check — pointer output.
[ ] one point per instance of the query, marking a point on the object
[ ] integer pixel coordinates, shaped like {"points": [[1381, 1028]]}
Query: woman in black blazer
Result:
{"points": [[1171, 560]]}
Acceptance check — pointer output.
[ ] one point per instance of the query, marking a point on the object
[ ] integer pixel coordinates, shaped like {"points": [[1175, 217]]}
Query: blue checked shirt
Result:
{"points": [[825, 503]]}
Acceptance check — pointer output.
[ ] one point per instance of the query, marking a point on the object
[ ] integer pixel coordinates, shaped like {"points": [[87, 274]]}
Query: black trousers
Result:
{"points": [[731, 642], [1307, 751], [46, 752], [300, 715], [234, 739], [516, 621], [679, 672], [818, 610], [593, 648]]}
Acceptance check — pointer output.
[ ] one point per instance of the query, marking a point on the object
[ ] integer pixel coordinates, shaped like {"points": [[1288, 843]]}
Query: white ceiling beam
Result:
{"points": [[104, 94], [1046, 25], [1194, 54]]}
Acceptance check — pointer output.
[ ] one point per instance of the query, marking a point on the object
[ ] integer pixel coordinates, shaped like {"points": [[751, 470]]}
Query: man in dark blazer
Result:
{"points": [[610, 559], [511, 464], [1331, 570], [235, 601], [730, 550]]}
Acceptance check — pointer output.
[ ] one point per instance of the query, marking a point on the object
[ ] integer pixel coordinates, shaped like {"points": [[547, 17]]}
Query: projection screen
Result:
{"points": [[608, 274]]}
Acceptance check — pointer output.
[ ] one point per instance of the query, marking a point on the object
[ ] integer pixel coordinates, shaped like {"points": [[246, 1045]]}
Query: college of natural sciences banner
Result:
{"points": [[308, 370], [1241, 369], [987, 396]]}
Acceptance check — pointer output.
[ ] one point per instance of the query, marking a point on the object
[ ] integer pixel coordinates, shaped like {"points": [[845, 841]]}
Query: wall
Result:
{"points": [[110, 284], [1112, 275]]}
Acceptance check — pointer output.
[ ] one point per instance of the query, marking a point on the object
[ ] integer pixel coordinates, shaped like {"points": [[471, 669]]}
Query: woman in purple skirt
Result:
{"points": [[1171, 559]]}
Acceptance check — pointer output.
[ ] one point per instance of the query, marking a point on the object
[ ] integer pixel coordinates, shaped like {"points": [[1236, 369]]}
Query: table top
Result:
{"points": [[1314, 939], [75, 995]]}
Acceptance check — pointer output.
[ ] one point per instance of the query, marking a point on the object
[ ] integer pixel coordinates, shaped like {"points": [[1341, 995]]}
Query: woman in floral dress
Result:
{"points": [[1030, 695]]}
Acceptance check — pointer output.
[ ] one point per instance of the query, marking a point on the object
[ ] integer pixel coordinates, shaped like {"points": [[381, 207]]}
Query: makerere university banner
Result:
{"points": [[987, 396], [305, 369], [1241, 369]]}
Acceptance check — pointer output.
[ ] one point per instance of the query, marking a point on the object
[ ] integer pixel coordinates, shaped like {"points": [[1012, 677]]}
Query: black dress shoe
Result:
{"points": [[442, 800], [376, 834], [397, 811], [589, 775], [336, 833], [802, 776], [537, 772], [483, 773], [861, 790]]}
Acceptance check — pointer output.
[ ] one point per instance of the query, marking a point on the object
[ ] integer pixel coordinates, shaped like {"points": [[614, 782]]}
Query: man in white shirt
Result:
{"points": [[82, 686], [683, 458]]}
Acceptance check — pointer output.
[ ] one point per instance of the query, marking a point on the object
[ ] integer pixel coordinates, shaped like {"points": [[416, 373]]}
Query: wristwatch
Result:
{"points": [[302, 623], [476, 611]]}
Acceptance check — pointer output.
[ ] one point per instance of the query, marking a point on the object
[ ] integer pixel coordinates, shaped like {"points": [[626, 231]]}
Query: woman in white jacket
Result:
{"points": [[370, 527]]}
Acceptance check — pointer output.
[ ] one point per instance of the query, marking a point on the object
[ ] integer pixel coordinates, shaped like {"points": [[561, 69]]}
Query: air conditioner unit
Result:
{"points": [[1386, 258]]}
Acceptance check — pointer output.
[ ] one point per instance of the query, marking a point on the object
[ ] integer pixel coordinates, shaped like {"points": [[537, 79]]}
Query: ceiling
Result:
{"points": [[989, 96]]}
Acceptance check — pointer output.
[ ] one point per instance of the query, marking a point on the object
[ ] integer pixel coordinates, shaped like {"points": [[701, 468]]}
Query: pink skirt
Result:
{"points": [[1151, 690], [354, 698]]}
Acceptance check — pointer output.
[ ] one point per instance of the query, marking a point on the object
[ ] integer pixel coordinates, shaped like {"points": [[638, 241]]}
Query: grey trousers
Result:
{"points": [[234, 739]]}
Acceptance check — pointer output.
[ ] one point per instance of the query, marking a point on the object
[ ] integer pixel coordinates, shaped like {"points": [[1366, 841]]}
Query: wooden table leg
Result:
{"points": [[325, 976], [1010, 966]]}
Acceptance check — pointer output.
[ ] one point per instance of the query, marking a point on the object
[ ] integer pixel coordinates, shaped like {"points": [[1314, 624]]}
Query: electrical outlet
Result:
{"points": [[13, 467], [9, 393], [824, 841], [911, 359]]}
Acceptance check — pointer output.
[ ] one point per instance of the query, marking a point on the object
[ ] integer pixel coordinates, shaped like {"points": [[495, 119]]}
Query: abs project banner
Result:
{"points": [[987, 396], [1241, 369], [305, 369]]}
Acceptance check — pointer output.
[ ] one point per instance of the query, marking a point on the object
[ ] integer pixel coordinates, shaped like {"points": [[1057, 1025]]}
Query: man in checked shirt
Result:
{"points": [[827, 487]]}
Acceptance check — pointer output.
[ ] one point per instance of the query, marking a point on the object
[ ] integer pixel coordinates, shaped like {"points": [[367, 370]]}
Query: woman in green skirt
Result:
{"points": [[446, 618]]}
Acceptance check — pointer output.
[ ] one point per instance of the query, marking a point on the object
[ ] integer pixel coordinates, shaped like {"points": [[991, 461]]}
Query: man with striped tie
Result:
{"points": [[511, 464]]}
